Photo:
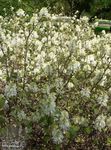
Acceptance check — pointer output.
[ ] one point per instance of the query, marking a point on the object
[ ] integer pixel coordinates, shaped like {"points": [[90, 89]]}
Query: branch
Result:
{"points": [[25, 56], [100, 78]]}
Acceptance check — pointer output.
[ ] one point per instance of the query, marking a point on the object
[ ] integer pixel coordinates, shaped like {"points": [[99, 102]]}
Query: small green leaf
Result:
{"points": [[73, 131], [3, 131], [88, 130], [109, 141], [2, 101], [2, 120], [57, 147]]}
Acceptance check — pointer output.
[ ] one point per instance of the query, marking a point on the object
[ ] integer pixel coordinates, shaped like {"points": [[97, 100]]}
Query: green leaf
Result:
{"points": [[57, 147], [2, 120], [109, 141], [88, 130], [2, 101], [73, 131], [3, 131]]}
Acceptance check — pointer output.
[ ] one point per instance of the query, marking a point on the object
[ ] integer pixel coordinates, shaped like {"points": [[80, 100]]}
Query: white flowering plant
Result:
{"points": [[56, 78]]}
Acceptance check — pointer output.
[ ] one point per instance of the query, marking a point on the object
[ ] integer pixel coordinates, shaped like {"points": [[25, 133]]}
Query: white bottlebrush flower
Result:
{"points": [[64, 120], [90, 59], [64, 26], [59, 84], [74, 66], [100, 122], [36, 70], [70, 85], [33, 87], [14, 42], [103, 81], [85, 18], [107, 49], [79, 120], [88, 45], [34, 19], [103, 100], [43, 54], [10, 90], [96, 24], [20, 12], [1, 18], [1, 53], [78, 29], [35, 35], [44, 39], [55, 41], [57, 135], [79, 43], [85, 92], [2, 35], [103, 32], [13, 58], [21, 115], [52, 55], [87, 68], [109, 91], [38, 44], [49, 105], [53, 17], [44, 12], [108, 72]]}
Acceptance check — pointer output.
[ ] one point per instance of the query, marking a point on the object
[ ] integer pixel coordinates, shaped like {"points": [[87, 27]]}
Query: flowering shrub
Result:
{"points": [[56, 79]]}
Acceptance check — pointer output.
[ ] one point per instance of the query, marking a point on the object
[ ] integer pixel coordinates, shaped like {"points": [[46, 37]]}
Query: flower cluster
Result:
{"points": [[10, 90], [57, 136], [103, 100], [100, 122]]}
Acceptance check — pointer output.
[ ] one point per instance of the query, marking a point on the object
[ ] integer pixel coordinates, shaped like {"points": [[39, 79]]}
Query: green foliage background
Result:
{"points": [[100, 8]]}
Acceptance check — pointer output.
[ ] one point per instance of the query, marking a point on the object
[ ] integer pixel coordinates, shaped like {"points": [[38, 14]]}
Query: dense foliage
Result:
{"points": [[99, 8], [55, 80]]}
